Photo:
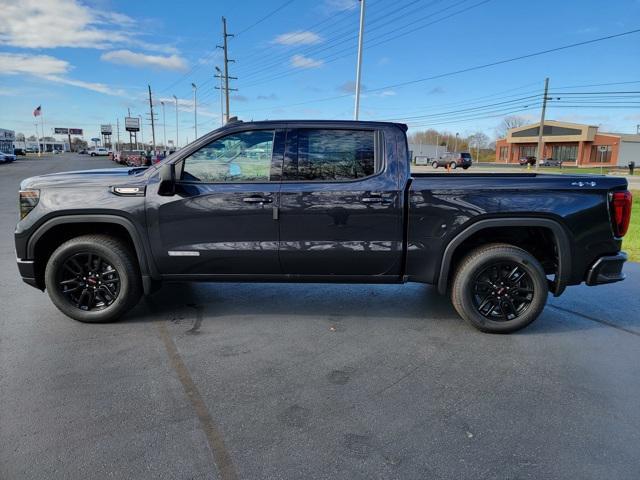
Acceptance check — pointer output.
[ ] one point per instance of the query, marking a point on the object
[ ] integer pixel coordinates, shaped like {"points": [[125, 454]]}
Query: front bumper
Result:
{"points": [[28, 272], [607, 269]]}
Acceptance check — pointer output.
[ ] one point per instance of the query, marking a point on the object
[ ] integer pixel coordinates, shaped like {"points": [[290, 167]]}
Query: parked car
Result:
{"points": [[133, 158], [7, 157], [31, 150], [19, 151], [99, 152], [274, 201], [453, 160], [83, 151], [529, 160], [550, 162]]}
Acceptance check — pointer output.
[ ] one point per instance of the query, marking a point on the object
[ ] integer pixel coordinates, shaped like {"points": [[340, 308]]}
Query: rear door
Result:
{"points": [[221, 222], [340, 206]]}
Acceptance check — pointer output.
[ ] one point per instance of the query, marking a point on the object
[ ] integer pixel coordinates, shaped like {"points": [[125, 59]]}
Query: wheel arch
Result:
{"points": [[90, 221], [559, 234]]}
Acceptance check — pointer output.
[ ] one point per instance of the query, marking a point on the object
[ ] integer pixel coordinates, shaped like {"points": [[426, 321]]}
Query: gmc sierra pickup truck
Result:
{"points": [[318, 201]]}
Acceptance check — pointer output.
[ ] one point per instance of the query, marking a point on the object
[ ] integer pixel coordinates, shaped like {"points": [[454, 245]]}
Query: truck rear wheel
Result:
{"points": [[93, 278], [499, 288]]}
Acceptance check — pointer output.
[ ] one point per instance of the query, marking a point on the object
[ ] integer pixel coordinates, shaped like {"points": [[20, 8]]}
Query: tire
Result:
{"points": [[114, 287], [466, 167], [434, 164], [453, 165], [474, 284]]}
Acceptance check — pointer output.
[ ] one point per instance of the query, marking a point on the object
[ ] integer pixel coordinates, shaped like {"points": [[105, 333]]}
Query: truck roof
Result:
{"points": [[326, 123]]}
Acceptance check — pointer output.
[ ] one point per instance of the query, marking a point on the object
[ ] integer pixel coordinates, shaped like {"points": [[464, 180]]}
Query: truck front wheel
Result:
{"points": [[499, 288], [93, 278]]}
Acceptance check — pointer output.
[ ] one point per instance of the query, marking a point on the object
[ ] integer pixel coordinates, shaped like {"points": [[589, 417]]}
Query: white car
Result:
{"points": [[99, 152]]}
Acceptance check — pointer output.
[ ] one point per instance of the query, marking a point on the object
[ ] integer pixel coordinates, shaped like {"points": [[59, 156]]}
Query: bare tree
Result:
{"points": [[512, 121]]}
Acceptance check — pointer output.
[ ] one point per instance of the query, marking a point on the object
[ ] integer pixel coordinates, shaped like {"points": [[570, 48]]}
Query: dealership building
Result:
{"points": [[573, 143]]}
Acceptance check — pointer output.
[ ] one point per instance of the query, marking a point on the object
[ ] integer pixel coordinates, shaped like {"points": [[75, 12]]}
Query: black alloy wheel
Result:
{"points": [[89, 282], [503, 291], [499, 288]]}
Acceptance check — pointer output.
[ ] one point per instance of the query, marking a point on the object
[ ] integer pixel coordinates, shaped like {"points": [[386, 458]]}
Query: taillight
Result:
{"points": [[620, 212]]}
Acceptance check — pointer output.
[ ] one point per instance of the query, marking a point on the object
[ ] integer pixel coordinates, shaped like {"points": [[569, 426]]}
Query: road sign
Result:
{"points": [[106, 129], [61, 131], [132, 124], [75, 131], [95, 139]]}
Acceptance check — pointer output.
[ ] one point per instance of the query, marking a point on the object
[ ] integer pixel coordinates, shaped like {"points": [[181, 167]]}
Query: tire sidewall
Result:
{"points": [[525, 261], [57, 260]]}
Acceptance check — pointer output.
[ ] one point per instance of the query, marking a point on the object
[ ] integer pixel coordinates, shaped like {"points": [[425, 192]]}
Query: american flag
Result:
{"points": [[37, 111]]}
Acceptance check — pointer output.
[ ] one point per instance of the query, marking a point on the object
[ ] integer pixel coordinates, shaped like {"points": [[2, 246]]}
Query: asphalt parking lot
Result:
{"points": [[253, 381]]}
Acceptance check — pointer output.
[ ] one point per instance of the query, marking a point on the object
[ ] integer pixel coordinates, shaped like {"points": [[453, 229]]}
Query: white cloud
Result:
{"points": [[299, 37], [127, 57], [48, 68], [300, 61], [14, 64], [67, 23], [93, 86], [340, 5]]}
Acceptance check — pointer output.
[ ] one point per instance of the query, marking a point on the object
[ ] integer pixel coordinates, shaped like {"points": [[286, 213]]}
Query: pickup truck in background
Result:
{"points": [[318, 201]]}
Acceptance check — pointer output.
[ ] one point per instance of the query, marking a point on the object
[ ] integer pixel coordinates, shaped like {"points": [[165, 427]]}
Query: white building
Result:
{"points": [[7, 137]]}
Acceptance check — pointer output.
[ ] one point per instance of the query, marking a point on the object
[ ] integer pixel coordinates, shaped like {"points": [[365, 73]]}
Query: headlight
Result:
{"points": [[28, 201]]}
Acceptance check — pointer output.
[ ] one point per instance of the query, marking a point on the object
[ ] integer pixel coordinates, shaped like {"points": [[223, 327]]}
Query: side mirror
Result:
{"points": [[167, 180]]}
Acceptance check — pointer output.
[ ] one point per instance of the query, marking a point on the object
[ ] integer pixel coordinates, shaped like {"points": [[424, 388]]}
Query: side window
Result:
{"points": [[239, 157], [335, 154]]}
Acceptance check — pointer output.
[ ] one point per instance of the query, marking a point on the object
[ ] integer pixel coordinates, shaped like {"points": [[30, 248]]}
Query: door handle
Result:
{"points": [[257, 200]]}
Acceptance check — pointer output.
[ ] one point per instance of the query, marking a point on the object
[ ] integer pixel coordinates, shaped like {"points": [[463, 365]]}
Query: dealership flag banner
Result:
{"points": [[37, 111]]}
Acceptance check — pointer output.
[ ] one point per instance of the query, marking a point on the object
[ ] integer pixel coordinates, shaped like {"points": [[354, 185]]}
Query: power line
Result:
{"points": [[345, 52], [269, 15], [347, 35], [464, 70]]}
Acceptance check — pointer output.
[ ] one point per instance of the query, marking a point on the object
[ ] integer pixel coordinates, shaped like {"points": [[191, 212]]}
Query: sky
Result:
{"points": [[88, 61]]}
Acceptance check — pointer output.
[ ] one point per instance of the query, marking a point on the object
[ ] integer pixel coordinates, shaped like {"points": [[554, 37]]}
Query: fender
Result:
{"points": [[560, 234], [147, 268]]}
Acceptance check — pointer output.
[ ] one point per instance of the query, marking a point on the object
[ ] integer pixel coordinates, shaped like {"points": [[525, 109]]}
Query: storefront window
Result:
{"points": [[565, 153], [527, 151], [600, 154], [503, 153]]}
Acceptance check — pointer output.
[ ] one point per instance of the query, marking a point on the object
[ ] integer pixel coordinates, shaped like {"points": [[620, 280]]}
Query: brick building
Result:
{"points": [[573, 143]]}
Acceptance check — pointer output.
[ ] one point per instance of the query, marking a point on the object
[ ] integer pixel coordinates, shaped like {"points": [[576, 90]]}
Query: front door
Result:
{"points": [[340, 208], [221, 222]]}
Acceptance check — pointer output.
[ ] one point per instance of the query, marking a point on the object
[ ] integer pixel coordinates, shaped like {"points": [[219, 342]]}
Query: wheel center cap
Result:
{"points": [[501, 290], [92, 280]]}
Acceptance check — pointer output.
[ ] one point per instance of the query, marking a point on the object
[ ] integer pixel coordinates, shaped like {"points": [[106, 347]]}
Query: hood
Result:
{"points": [[85, 178]]}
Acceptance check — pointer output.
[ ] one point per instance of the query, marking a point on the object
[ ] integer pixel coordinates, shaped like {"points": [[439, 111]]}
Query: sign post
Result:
{"points": [[132, 125]]}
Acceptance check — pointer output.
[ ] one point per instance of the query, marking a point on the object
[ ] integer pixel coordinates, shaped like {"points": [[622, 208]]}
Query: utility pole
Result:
{"points": [[224, 47], [118, 134], [153, 123], [195, 109], [164, 127], [141, 132], [540, 152], [177, 142], [221, 88], [356, 111], [455, 148]]}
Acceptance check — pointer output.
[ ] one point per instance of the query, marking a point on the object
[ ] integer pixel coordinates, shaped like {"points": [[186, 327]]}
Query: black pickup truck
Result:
{"points": [[318, 201]]}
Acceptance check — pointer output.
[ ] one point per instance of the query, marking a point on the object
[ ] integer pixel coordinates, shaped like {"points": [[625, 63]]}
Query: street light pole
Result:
{"points": [[164, 127], [177, 141], [141, 132], [455, 148], [540, 151], [195, 109], [356, 111]]}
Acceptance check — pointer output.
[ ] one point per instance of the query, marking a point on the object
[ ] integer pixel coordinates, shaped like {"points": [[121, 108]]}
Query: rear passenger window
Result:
{"points": [[335, 154]]}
